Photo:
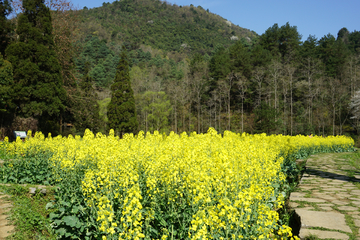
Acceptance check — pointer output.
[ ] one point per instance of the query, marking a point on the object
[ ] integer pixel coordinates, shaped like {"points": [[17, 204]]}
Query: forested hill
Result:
{"points": [[161, 25]]}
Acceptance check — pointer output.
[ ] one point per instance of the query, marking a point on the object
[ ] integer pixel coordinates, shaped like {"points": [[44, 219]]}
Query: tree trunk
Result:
{"points": [[242, 115], [291, 109], [175, 118], [334, 119]]}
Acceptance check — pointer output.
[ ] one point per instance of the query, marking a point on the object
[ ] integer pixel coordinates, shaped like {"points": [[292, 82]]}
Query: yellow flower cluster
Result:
{"points": [[230, 185]]}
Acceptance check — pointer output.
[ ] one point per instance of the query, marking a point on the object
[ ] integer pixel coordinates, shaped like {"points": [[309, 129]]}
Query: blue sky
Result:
{"points": [[315, 17]]}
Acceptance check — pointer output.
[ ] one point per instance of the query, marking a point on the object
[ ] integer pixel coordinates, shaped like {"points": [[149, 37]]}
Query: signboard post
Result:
{"points": [[21, 134]]}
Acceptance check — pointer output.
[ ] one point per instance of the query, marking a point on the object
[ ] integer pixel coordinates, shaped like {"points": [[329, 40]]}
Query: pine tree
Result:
{"points": [[121, 109], [37, 73], [266, 119], [5, 25]]}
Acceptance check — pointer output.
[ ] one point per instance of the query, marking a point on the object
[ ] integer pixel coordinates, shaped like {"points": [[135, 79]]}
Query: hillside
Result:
{"points": [[160, 25], [157, 35]]}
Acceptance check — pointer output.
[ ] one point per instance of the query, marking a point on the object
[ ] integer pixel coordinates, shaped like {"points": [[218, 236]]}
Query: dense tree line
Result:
{"points": [[272, 83], [278, 85]]}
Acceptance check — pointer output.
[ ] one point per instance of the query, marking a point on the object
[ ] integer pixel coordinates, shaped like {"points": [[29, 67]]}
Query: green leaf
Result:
{"points": [[49, 205], [58, 222], [163, 222], [75, 209], [78, 224], [65, 203], [70, 220], [61, 231]]}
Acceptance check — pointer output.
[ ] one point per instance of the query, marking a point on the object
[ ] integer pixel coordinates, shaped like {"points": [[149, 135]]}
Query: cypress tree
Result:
{"points": [[5, 25], [37, 73], [6, 82], [121, 109]]}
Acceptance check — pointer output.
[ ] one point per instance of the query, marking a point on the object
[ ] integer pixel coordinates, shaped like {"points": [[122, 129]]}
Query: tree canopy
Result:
{"points": [[38, 90], [121, 109]]}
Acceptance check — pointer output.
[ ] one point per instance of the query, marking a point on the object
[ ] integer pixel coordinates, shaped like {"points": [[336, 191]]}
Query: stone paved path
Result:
{"points": [[5, 206], [327, 200], [5, 227]]}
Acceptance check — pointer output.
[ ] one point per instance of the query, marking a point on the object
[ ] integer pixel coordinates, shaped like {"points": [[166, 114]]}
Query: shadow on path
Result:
{"points": [[330, 175]]}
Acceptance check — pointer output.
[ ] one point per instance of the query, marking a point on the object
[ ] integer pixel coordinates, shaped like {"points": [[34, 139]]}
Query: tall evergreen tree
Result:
{"points": [[121, 109], [5, 25], [266, 119], [6, 81], [333, 54], [37, 78]]}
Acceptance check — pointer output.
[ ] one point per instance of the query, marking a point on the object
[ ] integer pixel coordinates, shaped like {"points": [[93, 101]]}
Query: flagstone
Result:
{"points": [[338, 202], [323, 234], [293, 204], [330, 220], [332, 189], [325, 204], [356, 203], [343, 195], [355, 215], [324, 196], [312, 200], [348, 208], [357, 222], [355, 192], [327, 208]]}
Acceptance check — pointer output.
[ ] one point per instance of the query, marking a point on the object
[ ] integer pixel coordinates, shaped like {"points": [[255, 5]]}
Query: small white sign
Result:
{"points": [[21, 134]]}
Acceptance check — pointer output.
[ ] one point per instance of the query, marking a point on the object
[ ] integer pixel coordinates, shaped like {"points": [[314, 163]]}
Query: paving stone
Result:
{"points": [[4, 223], [325, 205], [322, 234], [308, 187], [332, 189], [355, 198], [356, 203], [355, 192], [293, 204], [325, 196], [330, 220], [357, 222], [6, 231], [338, 202], [6, 205], [349, 185], [327, 208], [297, 194], [4, 196], [303, 199], [343, 196], [348, 208], [309, 208], [336, 181], [354, 214]]}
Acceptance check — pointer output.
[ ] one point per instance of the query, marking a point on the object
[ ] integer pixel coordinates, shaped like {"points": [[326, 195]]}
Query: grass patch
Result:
{"points": [[354, 229], [353, 159], [303, 204], [29, 213]]}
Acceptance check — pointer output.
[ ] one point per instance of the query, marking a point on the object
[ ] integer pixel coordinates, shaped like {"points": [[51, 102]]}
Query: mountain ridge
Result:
{"points": [[161, 25]]}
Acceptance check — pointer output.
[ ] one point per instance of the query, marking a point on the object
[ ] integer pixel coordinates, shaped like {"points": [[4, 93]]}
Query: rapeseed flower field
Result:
{"points": [[176, 186]]}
